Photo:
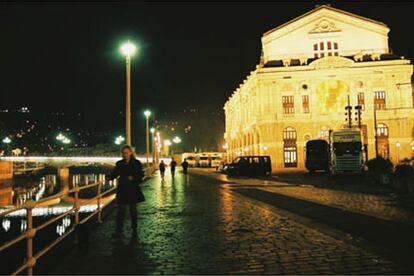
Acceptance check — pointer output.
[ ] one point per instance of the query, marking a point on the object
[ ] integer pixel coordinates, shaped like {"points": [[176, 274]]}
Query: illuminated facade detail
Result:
{"points": [[309, 66]]}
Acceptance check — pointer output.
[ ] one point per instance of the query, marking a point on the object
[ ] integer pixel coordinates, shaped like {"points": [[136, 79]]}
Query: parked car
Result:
{"points": [[250, 166]]}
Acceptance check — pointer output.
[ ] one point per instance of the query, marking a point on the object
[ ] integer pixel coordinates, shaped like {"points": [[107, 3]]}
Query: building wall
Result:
{"points": [[255, 119], [354, 35]]}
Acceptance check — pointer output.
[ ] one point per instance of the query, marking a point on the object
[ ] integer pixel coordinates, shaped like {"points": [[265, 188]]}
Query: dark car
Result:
{"points": [[250, 166], [317, 155]]}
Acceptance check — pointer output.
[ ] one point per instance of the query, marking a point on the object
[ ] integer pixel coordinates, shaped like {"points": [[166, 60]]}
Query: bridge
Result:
{"points": [[7, 170]]}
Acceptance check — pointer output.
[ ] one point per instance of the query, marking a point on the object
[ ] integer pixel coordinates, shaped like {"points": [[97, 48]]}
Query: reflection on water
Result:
{"points": [[19, 190]]}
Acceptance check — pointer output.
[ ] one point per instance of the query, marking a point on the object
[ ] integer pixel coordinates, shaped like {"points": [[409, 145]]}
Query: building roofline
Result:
{"points": [[328, 7]]}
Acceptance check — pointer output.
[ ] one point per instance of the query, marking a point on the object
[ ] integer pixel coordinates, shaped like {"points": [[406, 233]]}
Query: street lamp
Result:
{"points": [[128, 49], [119, 140], [147, 114], [177, 140], [60, 137]]}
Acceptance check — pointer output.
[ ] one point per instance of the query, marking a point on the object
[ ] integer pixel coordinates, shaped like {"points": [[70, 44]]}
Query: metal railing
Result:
{"points": [[30, 233]]}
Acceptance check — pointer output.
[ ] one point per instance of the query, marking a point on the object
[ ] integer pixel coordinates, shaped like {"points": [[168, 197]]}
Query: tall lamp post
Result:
{"points": [[152, 130], [128, 49], [147, 114]]}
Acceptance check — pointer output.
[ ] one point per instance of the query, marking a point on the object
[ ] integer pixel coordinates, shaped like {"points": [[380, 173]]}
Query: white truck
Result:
{"points": [[202, 160], [190, 157], [347, 154], [216, 159]]}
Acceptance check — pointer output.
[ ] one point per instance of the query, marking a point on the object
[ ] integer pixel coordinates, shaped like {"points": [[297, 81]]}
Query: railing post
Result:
{"points": [[99, 202], [76, 206], [30, 233]]}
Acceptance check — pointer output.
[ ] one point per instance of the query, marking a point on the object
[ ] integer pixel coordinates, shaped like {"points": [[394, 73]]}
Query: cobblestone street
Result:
{"points": [[194, 226]]}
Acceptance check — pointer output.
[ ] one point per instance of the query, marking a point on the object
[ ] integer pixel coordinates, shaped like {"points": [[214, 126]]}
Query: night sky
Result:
{"points": [[65, 57]]}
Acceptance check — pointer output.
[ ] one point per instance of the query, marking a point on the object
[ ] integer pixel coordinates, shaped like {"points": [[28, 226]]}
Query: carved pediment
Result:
{"points": [[324, 26], [331, 62]]}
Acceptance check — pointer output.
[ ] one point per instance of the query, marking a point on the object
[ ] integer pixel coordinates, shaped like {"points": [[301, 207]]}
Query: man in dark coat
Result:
{"points": [[184, 164], [128, 194]]}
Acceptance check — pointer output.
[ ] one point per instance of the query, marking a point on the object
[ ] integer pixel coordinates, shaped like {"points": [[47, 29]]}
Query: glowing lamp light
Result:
{"points": [[265, 148], [7, 140], [60, 137], [128, 49], [225, 146], [119, 140], [147, 113], [167, 142], [177, 140], [66, 141], [152, 130], [398, 144], [246, 149]]}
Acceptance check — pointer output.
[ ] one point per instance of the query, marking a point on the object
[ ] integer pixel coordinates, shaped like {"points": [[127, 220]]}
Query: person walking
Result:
{"points": [[173, 164], [184, 164], [162, 169], [128, 193]]}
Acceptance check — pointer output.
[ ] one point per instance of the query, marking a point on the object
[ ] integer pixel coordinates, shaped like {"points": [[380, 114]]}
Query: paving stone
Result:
{"points": [[193, 227]]}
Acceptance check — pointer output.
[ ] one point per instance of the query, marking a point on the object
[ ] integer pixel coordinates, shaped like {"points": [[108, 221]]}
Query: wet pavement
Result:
{"points": [[199, 224]]}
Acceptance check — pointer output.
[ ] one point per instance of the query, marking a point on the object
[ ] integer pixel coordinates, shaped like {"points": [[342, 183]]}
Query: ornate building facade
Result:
{"points": [[310, 68]]}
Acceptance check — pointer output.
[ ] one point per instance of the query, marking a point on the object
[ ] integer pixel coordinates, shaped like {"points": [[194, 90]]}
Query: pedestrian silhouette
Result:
{"points": [[173, 164], [162, 169], [128, 193], [184, 164]]}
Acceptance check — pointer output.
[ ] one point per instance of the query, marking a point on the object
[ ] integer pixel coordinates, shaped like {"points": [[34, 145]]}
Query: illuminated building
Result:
{"points": [[308, 68]]}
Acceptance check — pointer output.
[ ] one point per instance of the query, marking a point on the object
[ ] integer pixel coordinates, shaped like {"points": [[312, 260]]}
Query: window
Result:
{"points": [[324, 133], [382, 140], [290, 157], [289, 147], [289, 134], [288, 105], [379, 100], [325, 48], [382, 130], [305, 103], [361, 100]]}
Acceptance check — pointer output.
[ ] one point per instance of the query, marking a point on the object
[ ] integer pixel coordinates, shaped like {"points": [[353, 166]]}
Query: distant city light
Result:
{"points": [[128, 49], [66, 141], [7, 140], [177, 140], [60, 137], [119, 140]]}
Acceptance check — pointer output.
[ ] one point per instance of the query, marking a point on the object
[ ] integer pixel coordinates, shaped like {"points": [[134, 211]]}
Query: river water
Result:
{"points": [[17, 191]]}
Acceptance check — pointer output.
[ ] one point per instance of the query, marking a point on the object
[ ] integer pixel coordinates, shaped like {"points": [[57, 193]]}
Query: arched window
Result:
{"points": [[289, 147], [324, 133], [382, 140], [382, 130], [289, 133]]}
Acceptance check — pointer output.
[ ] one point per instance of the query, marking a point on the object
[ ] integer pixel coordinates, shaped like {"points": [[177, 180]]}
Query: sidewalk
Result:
{"points": [[192, 226]]}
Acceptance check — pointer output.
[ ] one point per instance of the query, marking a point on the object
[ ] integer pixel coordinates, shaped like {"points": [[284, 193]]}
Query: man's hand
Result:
{"points": [[130, 177]]}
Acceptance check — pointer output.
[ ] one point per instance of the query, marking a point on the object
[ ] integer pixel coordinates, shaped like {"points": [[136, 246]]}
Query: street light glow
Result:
{"points": [[60, 137], [119, 140], [7, 140], [152, 130], [167, 142], [177, 140], [128, 49], [147, 113], [66, 141]]}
